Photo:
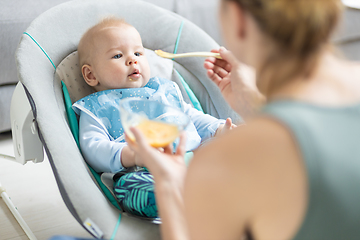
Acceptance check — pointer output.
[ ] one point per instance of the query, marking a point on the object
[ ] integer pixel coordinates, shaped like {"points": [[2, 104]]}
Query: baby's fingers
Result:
{"points": [[228, 124]]}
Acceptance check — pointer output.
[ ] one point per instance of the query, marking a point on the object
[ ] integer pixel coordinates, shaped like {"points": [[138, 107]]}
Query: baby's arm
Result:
{"points": [[206, 125], [127, 157], [99, 151]]}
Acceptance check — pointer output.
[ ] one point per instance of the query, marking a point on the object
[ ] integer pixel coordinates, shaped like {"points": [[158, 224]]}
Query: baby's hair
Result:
{"points": [[109, 21], [300, 29], [86, 41]]}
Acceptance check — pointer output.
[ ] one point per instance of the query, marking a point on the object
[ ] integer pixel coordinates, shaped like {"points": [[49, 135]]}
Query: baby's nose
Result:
{"points": [[131, 61]]}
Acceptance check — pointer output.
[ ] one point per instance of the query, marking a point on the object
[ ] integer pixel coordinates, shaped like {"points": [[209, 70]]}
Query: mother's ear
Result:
{"points": [[238, 16], [89, 76]]}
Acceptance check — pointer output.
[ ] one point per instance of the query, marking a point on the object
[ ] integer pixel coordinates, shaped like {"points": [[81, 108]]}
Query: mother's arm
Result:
{"points": [[169, 172]]}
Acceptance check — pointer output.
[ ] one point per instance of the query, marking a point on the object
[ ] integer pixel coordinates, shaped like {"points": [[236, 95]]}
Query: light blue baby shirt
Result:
{"points": [[101, 133]]}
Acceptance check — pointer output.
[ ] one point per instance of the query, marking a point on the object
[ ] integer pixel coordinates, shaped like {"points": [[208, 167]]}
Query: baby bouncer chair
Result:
{"points": [[50, 78]]}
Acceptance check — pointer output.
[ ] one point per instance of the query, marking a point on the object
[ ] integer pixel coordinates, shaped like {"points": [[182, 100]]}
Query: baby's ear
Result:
{"points": [[89, 76]]}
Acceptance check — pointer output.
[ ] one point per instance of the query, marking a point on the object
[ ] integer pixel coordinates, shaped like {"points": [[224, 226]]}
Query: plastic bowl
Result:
{"points": [[161, 124]]}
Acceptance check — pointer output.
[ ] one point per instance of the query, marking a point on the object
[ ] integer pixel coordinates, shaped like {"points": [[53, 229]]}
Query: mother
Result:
{"points": [[293, 172]]}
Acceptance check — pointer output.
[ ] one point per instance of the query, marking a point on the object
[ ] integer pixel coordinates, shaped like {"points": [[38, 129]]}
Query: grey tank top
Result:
{"points": [[329, 140]]}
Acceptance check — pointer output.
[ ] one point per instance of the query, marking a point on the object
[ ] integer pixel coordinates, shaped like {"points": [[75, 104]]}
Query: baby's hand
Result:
{"points": [[223, 128]]}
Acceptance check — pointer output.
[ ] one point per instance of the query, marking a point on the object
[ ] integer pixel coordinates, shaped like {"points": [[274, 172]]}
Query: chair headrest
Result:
{"points": [[69, 72]]}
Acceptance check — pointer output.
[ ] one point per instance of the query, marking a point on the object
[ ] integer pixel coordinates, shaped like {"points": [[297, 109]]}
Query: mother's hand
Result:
{"points": [[236, 82], [169, 172]]}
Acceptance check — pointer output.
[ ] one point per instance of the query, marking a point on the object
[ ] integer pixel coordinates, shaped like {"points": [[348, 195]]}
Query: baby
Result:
{"points": [[113, 63]]}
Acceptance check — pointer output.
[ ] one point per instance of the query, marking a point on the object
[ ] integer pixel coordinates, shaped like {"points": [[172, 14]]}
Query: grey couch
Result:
{"points": [[15, 17]]}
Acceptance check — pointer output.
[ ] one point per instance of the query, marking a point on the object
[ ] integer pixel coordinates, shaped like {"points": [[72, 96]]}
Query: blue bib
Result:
{"points": [[104, 106]]}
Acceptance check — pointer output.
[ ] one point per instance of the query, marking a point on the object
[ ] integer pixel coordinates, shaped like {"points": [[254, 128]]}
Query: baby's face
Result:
{"points": [[119, 59]]}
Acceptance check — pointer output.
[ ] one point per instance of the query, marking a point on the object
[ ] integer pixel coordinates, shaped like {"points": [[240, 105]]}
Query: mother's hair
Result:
{"points": [[300, 30]]}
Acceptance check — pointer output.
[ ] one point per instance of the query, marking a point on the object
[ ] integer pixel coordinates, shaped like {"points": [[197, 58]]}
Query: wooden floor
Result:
{"points": [[33, 190]]}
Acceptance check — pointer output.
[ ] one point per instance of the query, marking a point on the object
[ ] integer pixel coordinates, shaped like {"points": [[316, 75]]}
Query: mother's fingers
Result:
{"points": [[181, 149], [130, 142], [214, 77], [221, 72], [215, 50], [168, 149], [219, 63], [139, 142]]}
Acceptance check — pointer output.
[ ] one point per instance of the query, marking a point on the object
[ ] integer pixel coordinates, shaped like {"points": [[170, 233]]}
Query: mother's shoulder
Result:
{"points": [[262, 140]]}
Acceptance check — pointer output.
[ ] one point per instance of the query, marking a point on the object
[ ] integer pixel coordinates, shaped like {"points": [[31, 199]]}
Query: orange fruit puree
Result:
{"points": [[158, 134]]}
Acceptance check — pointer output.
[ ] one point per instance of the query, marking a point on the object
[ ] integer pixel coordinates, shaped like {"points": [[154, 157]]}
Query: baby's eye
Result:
{"points": [[137, 54], [117, 56]]}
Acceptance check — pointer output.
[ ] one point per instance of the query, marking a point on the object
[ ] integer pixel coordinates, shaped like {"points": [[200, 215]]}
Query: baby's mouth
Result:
{"points": [[134, 75]]}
